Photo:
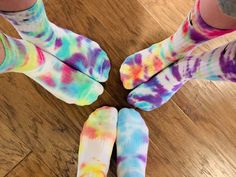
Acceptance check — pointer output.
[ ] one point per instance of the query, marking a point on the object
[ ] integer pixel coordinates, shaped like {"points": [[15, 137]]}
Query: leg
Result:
{"points": [[216, 65], [141, 66], [75, 50], [213, 15], [58, 78], [15, 5], [2, 53]]}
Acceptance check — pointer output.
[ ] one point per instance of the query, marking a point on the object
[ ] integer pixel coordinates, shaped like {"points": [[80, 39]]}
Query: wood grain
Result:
{"points": [[192, 135], [12, 150], [41, 127], [31, 167]]}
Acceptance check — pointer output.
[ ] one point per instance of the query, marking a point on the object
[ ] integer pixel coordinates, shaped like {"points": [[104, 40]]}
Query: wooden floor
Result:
{"points": [[194, 135]]}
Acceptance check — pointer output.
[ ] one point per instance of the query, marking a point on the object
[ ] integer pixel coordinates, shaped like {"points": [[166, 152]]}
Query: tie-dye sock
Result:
{"points": [[216, 65], [141, 66], [59, 79], [75, 50], [132, 144], [96, 143]]}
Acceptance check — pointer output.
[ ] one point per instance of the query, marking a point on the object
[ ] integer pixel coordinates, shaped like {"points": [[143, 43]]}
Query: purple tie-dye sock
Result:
{"points": [[216, 65], [75, 50], [141, 66]]}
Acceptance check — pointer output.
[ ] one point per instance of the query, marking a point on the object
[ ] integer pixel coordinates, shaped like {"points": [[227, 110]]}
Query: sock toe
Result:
{"points": [[156, 92], [140, 67], [102, 66], [104, 118], [91, 94], [131, 71]]}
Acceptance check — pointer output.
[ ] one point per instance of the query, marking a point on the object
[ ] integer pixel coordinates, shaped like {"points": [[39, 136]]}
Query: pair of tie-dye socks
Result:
{"points": [[62, 62], [139, 68], [58, 78], [75, 50], [216, 65], [98, 137]]}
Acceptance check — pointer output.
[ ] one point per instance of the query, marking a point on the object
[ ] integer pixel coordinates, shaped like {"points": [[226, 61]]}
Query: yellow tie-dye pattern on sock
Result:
{"points": [[93, 170]]}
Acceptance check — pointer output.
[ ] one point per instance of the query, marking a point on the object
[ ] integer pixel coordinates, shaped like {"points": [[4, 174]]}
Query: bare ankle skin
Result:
{"points": [[2, 53], [15, 5], [213, 15]]}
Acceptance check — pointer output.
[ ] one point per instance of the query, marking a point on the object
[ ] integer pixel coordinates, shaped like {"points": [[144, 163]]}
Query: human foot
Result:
{"points": [[58, 78], [141, 66], [75, 50]]}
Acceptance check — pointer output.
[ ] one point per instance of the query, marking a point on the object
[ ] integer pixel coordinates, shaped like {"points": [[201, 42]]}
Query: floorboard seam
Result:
{"points": [[27, 155]]}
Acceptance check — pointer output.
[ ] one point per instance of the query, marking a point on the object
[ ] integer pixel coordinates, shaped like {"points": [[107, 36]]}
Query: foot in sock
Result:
{"points": [[132, 144], [75, 50], [141, 66], [219, 64], [58, 78], [96, 143]]}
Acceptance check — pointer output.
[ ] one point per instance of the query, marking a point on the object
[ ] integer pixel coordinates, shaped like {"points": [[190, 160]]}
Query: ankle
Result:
{"points": [[215, 17], [16, 5], [2, 53]]}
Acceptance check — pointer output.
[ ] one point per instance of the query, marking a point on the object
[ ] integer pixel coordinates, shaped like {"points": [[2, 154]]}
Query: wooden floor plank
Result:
{"points": [[193, 149], [31, 166], [45, 130], [43, 124], [205, 107], [12, 150], [192, 135], [169, 14]]}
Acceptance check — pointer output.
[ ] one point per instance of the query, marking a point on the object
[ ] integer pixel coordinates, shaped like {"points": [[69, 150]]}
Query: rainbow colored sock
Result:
{"points": [[141, 66], [132, 144], [96, 143], [216, 65], [59, 79], [75, 50]]}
